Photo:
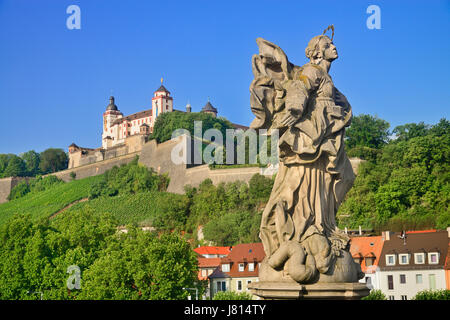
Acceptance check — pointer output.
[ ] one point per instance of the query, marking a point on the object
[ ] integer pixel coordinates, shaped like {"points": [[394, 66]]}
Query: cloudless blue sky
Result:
{"points": [[55, 82]]}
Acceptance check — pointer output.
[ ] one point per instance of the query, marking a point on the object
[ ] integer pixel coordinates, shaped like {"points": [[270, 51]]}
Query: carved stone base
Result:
{"points": [[293, 291]]}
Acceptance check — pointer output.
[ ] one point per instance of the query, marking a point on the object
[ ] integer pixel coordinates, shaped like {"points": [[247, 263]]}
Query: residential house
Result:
{"points": [[238, 269], [366, 252], [411, 262], [208, 260]]}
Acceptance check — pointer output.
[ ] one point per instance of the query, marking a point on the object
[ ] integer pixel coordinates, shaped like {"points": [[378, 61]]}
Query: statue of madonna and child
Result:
{"points": [[298, 229]]}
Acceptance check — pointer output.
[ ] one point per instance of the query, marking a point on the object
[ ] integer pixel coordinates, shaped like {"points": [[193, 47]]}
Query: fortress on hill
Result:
{"points": [[125, 137], [127, 134]]}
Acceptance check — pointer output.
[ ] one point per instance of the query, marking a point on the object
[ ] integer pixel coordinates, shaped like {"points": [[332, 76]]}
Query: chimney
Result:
{"points": [[448, 231], [386, 235], [360, 231]]}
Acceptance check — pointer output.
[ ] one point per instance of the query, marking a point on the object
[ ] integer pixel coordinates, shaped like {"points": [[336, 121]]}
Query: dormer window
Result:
{"points": [[433, 258], [225, 267], [419, 258], [241, 267], [403, 258], [251, 266], [369, 261], [390, 259]]}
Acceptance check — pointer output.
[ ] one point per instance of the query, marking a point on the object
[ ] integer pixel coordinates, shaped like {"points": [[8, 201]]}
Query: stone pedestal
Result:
{"points": [[271, 290]]}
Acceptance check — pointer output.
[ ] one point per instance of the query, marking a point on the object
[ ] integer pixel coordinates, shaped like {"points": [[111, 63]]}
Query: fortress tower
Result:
{"points": [[161, 101], [111, 114]]}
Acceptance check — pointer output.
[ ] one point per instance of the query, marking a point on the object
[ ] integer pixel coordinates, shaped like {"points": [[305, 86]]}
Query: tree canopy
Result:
{"points": [[32, 163], [367, 131], [405, 184]]}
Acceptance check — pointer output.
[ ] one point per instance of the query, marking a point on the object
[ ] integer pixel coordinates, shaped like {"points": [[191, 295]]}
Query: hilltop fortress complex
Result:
{"points": [[127, 134], [125, 137]]}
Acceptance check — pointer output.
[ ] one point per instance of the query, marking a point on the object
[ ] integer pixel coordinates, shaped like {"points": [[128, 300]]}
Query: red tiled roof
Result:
{"points": [[370, 247], [208, 262], [421, 231], [212, 250], [242, 253]]}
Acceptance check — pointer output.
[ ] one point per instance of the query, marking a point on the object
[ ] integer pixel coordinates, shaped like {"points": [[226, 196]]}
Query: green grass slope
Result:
{"points": [[46, 203], [143, 209]]}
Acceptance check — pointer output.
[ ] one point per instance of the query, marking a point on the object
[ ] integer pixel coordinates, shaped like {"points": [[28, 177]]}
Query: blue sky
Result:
{"points": [[55, 82]]}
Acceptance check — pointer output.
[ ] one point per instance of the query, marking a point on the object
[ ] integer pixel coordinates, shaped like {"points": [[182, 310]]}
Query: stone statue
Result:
{"points": [[298, 228]]}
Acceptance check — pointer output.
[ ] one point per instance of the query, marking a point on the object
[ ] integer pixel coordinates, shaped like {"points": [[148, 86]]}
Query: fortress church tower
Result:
{"points": [[111, 114], [161, 101]]}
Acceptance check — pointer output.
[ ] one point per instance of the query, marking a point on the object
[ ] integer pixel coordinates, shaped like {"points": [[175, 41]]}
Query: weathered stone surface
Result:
{"points": [[279, 290], [298, 229]]}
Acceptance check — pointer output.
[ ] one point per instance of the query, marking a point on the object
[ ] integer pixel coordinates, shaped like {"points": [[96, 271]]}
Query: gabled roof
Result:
{"points": [[134, 116], [213, 250], [426, 241], [241, 253], [367, 247], [208, 262]]}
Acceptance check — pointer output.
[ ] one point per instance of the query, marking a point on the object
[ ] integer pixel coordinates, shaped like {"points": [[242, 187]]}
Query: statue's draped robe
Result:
{"points": [[314, 172]]}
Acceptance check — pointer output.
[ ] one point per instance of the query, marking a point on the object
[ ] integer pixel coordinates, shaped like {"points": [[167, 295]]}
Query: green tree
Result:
{"points": [[367, 131], [407, 184], [410, 130], [15, 168], [53, 160], [168, 122], [32, 160], [142, 266], [4, 159]]}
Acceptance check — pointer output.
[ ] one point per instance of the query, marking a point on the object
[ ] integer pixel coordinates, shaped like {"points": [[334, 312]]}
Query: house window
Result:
{"points": [[433, 258], [432, 281], [203, 272], [404, 258], [368, 280], [391, 298], [419, 278], [226, 267], [404, 298], [390, 259], [419, 258], [402, 278], [251, 267], [241, 267], [369, 261], [357, 260], [239, 285], [221, 286], [390, 280]]}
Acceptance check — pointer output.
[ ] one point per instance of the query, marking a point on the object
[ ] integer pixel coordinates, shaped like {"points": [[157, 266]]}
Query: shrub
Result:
{"points": [[19, 191], [375, 295], [231, 295], [433, 295]]}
